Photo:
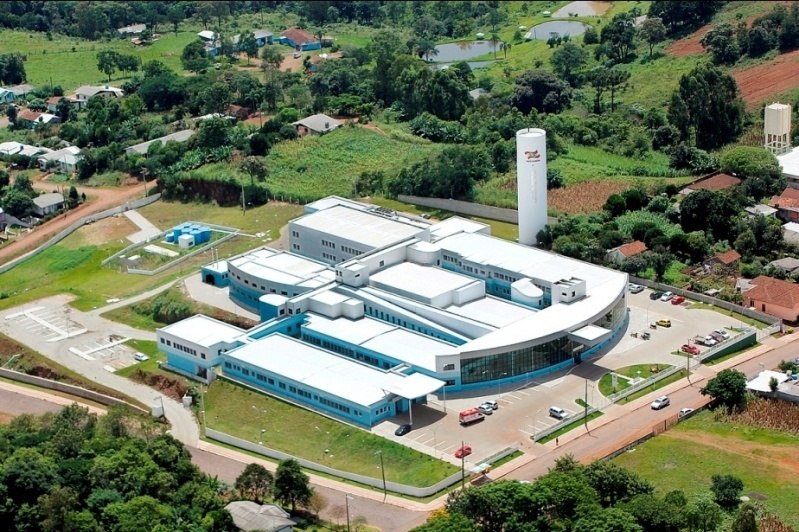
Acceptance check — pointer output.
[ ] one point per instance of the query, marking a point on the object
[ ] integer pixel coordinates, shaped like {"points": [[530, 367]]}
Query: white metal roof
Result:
{"points": [[761, 382], [351, 331], [358, 226], [339, 376], [428, 282], [179, 136], [491, 311], [203, 331], [332, 201], [319, 123], [455, 225], [791, 226], [284, 267], [207, 35], [48, 200], [790, 163]]}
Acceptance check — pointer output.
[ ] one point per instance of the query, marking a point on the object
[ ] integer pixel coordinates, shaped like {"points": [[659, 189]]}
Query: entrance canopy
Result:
{"points": [[413, 386], [590, 335]]}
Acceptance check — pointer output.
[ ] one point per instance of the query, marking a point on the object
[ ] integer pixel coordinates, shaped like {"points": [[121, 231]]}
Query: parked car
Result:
{"points": [[485, 409], [707, 341], [557, 412], [661, 402], [666, 296], [684, 412], [655, 295], [140, 357], [690, 349], [677, 300], [493, 404], [635, 288], [723, 333], [402, 430], [466, 450], [663, 323], [717, 337]]}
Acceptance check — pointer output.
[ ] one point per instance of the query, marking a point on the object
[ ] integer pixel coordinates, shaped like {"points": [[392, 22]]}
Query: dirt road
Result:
{"points": [[98, 200]]}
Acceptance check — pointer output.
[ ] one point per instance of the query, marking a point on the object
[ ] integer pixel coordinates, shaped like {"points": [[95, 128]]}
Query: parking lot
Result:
{"points": [[49, 323], [524, 407], [108, 350]]}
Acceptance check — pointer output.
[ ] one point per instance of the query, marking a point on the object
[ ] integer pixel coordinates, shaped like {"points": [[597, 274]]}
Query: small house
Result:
{"points": [[6, 96], [208, 36], [727, 260], [133, 29], [714, 182], [300, 40], [760, 210], [237, 112], [32, 119], [263, 37], [250, 516], [625, 251], [787, 265], [790, 232], [316, 125], [21, 90], [787, 204], [775, 297], [143, 147], [47, 204], [82, 94], [64, 160]]}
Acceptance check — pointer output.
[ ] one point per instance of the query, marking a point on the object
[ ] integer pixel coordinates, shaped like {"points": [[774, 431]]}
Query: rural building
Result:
{"points": [[238, 112], [48, 204], [775, 297], [787, 265], [761, 384], [316, 125], [789, 162], [761, 210], [250, 516], [82, 94], [207, 36], [790, 232], [476, 93], [133, 29], [6, 96], [625, 251], [3, 219], [728, 260], [20, 91], [263, 37], [300, 40], [412, 307], [64, 160], [8, 149], [52, 103], [31, 119], [179, 136], [714, 182], [787, 204]]}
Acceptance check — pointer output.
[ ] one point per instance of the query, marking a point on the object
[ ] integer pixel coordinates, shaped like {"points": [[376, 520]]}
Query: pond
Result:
{"points": [[561, 27], [463, 50], [472, 64], [582, 9]]}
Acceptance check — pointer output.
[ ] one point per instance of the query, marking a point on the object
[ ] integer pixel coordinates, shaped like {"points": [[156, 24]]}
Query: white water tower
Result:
{"points": [[777, 130], [531, 184]]}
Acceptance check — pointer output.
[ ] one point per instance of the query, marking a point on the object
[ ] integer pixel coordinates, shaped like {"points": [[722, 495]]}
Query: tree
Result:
{"points": [[107, 62], [706, 107], [726, 490], [11, 113], [607, 520], [745, 519], [255, 167], [613, 483], [271, 56], [248, 45], [175, 16], [728, 388], [74, 198], [128, 63], [615, 205], [607, 79], [213, 133], [722, 44], [653, 31], [654, 514], [317, 503], [568, 62], [757, 166], [291, 484], [618, 38], [703, 515], [684, 16], [194, 58], [12, 69], [216, 98], [713, 212], [255, 482], [540, 90], [384, 48]]}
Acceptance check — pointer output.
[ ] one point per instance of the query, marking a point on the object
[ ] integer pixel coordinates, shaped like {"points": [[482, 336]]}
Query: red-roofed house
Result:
{"points": [[30, 119], [300, 40], [625, 251], [728, 260], [787, 204], [774, 296], [714, 182]]}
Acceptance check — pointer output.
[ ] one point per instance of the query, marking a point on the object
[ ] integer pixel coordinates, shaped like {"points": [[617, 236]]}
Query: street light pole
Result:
{"points": [[347, 498], [383, 472]]}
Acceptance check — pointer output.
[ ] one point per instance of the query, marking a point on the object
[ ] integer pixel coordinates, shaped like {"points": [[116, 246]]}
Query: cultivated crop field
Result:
{"points": [[687, 456]]}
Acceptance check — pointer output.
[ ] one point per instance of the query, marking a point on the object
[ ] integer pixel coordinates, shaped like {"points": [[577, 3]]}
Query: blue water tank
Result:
{"points": [[170, 237]]}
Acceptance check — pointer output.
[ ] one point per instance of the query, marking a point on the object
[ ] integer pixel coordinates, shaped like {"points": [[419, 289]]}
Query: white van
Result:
{"points": [[140, 357], [557, 412]]}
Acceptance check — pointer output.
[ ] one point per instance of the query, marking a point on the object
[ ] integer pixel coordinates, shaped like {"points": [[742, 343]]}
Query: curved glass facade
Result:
{"points": [[534, 358]]}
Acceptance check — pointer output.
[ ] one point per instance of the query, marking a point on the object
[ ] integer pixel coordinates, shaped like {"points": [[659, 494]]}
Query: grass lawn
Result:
{"points": [[571, 426], [606, 385], [76, 269], [733, 315], [656, 386], [71, 62], [687, 456], [149, 348], [244, 413], [722, 358]]}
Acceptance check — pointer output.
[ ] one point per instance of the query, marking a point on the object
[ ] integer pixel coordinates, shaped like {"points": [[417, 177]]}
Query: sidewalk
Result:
{"points": [[49, 396]]}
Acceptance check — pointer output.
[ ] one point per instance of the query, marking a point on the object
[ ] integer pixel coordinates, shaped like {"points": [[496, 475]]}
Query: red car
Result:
{"points": [[676, 300], [463, 451], [690, 349]]}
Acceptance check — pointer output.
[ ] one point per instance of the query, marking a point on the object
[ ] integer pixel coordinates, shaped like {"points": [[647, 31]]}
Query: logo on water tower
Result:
{"points": [[532, 156]]}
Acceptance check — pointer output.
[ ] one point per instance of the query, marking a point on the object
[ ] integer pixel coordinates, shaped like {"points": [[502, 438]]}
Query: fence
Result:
{"points": [[77, 225], [468, 208], [66, 388], [361, 479]]}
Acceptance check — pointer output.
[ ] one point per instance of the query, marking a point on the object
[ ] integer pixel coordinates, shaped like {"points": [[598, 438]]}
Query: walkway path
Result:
{"points": [[147, 229]]}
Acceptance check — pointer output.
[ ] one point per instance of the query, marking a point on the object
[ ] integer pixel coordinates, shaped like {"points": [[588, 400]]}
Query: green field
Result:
{"points": [[256, 417], [72, 62], [74, 268], [570, 427], [688, 455], [313, 167], [638, 370]]}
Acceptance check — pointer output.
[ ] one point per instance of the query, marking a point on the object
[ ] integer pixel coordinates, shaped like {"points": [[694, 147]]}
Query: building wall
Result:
{"points": [[311, 397], [324, 247], [246, 289], [189, 356], [785, 313], [220, 279]]}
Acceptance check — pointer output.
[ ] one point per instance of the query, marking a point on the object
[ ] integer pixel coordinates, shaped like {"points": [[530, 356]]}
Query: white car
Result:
{"points": [[684, 412], [666, 296], [723, 333], [140, 357], [634, 288], [708, 341], [661, 402]]}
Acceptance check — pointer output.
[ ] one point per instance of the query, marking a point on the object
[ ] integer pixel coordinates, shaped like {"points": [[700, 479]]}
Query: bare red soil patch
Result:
{"points": [[585, 197], [689, 45], [764, 81]]}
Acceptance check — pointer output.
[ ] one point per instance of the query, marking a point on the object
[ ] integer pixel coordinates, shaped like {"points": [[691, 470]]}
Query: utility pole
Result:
{"points": [[585, 402], [688, 366], [243, 208], [383, 472], [463, 468]]}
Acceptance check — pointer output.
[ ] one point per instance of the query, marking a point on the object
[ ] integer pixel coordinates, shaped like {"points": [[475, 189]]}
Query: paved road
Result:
{"points": [[146, 229]]}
